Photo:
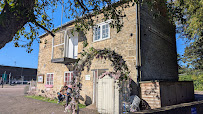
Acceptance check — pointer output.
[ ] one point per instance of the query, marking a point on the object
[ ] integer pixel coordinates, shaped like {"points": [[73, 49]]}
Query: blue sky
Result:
{"points": [[13, 56]]}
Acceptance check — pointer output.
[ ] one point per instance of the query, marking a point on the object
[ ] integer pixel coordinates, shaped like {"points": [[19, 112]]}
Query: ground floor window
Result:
{"points": [[68, 77], [50, 77]]}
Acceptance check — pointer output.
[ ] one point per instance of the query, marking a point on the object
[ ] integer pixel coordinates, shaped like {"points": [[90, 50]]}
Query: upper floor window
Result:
{"points": [[101, 31], [65, 44], [50, 77]]}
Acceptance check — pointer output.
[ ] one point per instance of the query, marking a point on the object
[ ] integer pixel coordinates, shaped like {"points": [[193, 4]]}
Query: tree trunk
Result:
{"points": [[12, 20]]}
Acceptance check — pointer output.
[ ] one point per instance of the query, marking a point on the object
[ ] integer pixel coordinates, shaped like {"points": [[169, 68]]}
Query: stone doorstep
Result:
{"points": [[92, 106]]}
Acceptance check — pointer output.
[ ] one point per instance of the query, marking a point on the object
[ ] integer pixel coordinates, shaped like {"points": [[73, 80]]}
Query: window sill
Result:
{"points": [[101, 40], [49, 86]]}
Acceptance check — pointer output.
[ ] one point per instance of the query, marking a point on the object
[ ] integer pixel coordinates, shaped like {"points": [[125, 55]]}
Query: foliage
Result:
{"points": [[33, 15], [85, 13], [193, 55], [188, 15], [121, 70], [187, 73], [190, 74]]}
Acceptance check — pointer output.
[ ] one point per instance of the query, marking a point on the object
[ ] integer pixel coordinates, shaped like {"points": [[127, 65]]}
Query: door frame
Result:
{"points": [[95, 84], [95, 77]]}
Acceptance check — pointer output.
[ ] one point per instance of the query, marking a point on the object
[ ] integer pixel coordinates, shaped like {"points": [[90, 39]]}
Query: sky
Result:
{"points": [[17, 56]]}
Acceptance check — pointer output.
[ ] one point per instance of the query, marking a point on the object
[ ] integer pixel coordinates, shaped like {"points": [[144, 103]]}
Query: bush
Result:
{"points": [[196, 77]]}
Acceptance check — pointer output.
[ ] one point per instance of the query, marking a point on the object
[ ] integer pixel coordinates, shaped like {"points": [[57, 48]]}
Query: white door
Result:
{"points": [[73, 46], [108, 96]]}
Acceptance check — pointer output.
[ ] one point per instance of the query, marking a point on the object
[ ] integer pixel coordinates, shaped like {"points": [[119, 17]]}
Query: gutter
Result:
{"points": [[138, 63]]}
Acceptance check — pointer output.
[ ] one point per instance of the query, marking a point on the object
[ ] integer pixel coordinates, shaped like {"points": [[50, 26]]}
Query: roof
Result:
{"points": [[17, 67]]}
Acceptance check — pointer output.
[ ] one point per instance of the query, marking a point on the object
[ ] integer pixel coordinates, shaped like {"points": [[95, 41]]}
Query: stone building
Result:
{"points": [[143, 39]]}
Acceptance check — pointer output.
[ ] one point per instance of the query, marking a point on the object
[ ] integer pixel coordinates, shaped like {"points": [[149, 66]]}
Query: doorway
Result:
{"points": [[96, 74]]}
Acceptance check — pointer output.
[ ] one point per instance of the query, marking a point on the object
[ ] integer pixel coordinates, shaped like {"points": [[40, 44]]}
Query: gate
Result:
{"points": [[108, 96]]}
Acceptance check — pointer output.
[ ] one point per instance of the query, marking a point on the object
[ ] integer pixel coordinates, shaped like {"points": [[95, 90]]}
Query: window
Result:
{"points": [[98, 72], [97, 33], [50, 77], [65, 44], [68, 77], [72, 45], [101, 31], [105, 31]]}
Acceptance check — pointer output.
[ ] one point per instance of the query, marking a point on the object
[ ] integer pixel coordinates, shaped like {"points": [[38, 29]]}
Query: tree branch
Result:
{"points": [[82, 5], [37, 24]]}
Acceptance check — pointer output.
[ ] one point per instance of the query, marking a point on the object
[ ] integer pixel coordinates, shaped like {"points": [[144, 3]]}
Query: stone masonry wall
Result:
{"points": [[122, 43], [45, 66]]}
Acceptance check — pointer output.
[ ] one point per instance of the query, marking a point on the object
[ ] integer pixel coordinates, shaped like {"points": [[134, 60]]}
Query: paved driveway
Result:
{"points": [[12, 101]]}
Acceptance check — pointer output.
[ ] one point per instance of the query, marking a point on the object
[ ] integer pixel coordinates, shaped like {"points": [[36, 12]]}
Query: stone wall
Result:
{"points": [[122, 43], [184, 108], [45, 66]]}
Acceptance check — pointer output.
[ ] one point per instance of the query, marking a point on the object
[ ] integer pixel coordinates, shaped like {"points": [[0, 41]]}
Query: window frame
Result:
{"points": [[68, 83], [101, 32], [49, 78]]}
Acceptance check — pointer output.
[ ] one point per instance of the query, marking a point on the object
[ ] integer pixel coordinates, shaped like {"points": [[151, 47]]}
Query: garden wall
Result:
{"points": [[159, 94], [184, 108]]}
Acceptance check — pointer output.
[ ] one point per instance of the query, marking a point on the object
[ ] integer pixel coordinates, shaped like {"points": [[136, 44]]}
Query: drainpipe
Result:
{"points": [[138, 44]]}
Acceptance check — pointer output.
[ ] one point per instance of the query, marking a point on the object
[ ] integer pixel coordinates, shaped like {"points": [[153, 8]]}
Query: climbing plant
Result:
{"points": [[121, 71]]}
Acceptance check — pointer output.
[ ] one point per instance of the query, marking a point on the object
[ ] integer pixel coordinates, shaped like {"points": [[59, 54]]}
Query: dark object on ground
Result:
{"points": [[144, 105], [42, 91]]}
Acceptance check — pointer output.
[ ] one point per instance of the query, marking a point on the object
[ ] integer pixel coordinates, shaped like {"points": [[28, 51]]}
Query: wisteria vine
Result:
{"points": [[121, 70]]}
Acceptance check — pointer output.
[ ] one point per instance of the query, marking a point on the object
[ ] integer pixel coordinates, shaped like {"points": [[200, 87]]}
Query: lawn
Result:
{"points": [[51, 100]]}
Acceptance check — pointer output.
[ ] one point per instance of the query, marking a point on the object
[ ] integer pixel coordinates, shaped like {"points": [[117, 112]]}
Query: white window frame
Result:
{"points": [[48, 83], [101, 32], [66, 44], [68, 83]]}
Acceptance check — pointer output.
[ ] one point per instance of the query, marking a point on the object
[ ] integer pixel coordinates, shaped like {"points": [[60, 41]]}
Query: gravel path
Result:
{"points": [[12, 101]]}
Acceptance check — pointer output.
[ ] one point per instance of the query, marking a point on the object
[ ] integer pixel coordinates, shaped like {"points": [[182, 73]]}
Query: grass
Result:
{"points": [[51, 100]]}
